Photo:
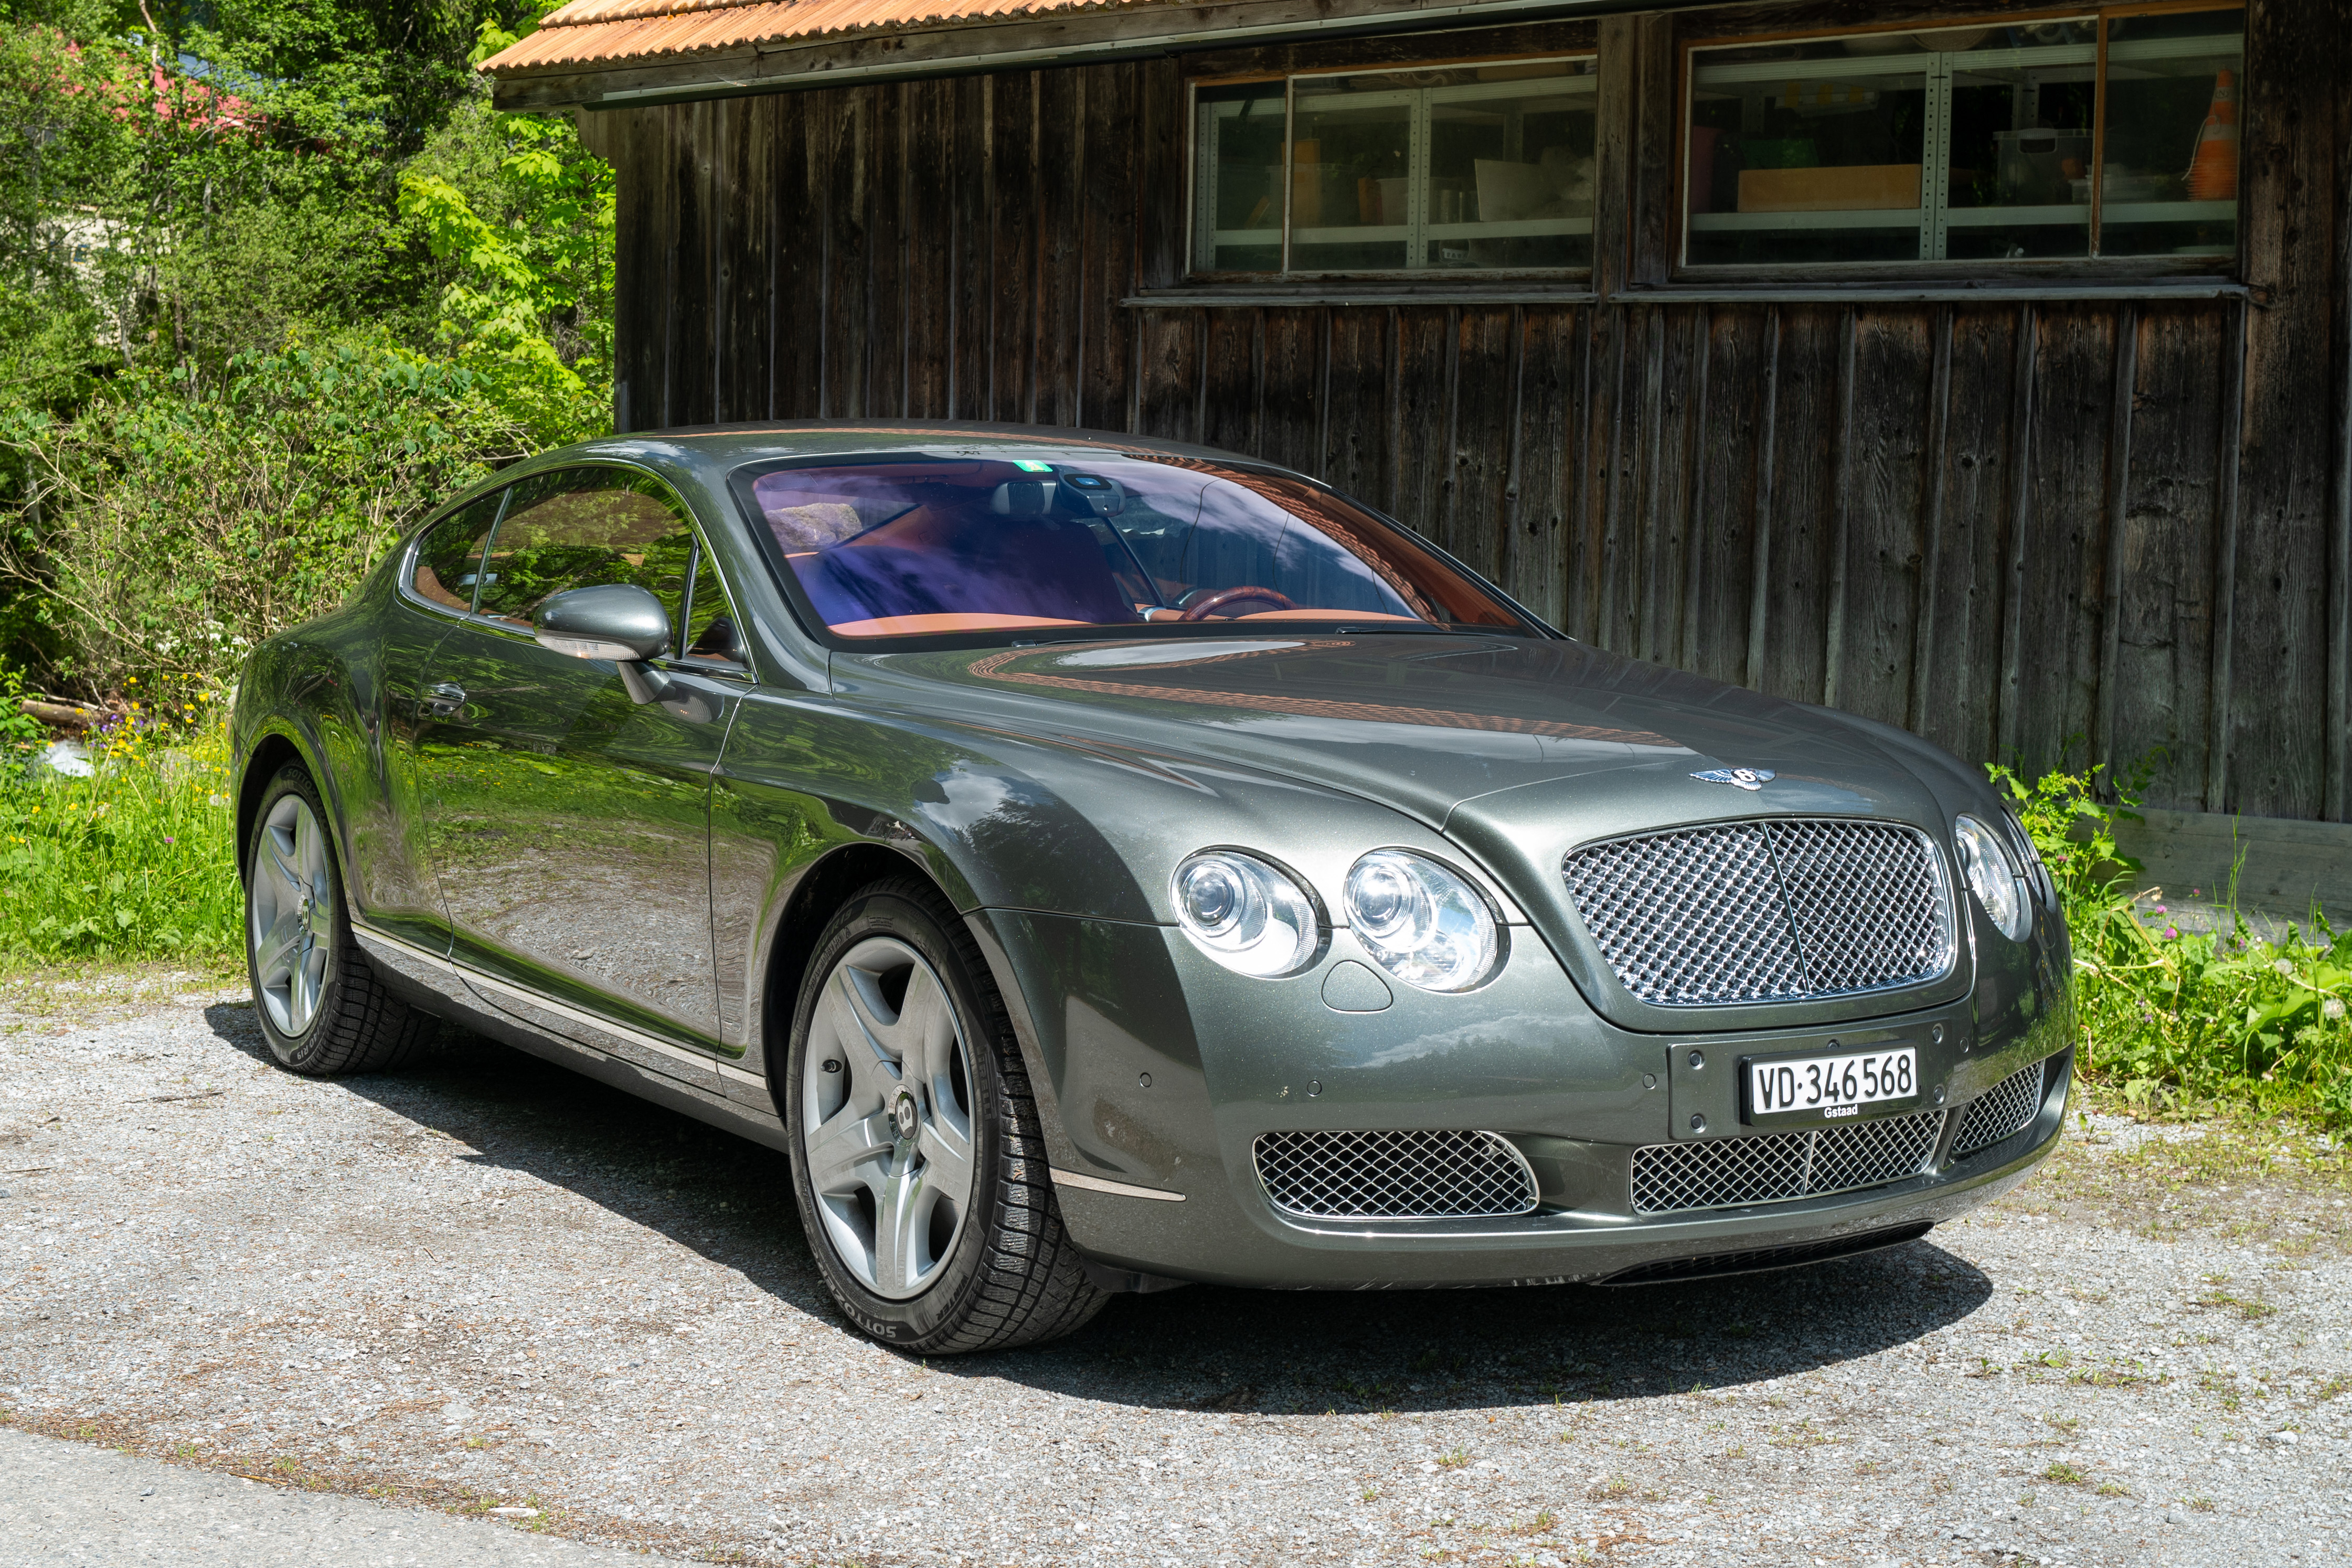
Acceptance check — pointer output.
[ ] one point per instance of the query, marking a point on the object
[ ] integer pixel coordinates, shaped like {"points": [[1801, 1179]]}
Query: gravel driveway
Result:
{"points": [[487, 1283]]}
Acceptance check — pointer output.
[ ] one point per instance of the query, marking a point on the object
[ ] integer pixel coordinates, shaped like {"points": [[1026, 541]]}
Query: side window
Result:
{"points": [[711, 636], [576, 528], [449, 561]]}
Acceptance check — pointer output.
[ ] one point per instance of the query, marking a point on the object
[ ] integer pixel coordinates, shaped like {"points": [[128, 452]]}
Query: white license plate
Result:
{"points": [[1831, 1085]]}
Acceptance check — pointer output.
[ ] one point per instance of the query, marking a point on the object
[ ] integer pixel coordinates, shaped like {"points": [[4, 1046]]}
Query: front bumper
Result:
{"points": [[1157, 1070]]}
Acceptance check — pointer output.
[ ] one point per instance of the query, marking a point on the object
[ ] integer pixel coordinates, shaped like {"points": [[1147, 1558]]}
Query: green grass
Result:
{"points": [[133, 862], [2185, 1022]]}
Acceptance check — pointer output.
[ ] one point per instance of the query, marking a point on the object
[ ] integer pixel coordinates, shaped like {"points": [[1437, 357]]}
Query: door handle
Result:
{"points": [[443, 699]]}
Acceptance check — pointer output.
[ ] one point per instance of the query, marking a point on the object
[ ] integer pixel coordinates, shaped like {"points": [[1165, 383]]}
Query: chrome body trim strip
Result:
{"points": [[562, 1009], [1116, 1189]]}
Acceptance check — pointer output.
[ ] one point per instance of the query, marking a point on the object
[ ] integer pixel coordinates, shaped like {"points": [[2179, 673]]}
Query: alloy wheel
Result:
{"points": [[290, 915], [886, 1113]]}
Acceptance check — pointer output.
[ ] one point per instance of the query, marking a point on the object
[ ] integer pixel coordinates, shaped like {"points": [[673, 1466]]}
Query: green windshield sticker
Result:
{"points": [[1028, 467]]}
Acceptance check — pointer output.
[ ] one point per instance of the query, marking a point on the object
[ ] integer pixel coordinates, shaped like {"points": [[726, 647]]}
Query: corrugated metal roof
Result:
{"points": [[592, 33]]}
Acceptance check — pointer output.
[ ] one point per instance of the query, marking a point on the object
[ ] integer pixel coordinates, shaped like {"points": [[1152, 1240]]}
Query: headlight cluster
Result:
{"points": [[1420, 922], [1246, 914], [1992, 875], [1412, 916]]}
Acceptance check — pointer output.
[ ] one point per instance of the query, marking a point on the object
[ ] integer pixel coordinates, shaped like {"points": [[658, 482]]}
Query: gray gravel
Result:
{"points": [[490, 1283], [63, 1502]]}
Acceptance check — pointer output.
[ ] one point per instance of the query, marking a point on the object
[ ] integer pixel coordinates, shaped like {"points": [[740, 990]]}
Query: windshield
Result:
{"points": [[916, 546]]}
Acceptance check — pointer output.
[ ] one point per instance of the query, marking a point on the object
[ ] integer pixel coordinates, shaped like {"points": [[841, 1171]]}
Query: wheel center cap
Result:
{"points": [[904, 1114]]}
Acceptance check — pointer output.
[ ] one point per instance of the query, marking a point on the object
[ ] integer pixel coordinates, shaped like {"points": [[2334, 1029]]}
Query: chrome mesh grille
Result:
{"points": [[1394, 1176], [1763, 912], [2001, 1111], [1719, 1173]]}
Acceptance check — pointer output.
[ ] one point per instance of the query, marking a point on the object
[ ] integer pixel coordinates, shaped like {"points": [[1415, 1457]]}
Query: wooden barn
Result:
{"points": [[1979, 367]]}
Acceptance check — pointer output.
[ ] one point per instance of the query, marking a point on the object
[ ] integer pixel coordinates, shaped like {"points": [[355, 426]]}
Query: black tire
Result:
{"points": [[1011, 1277], [357, 1025]]}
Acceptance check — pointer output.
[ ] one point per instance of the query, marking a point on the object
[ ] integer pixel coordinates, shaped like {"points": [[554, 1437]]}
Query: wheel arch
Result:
{"points": [[272, 751], [819, 893], [820, 890]]}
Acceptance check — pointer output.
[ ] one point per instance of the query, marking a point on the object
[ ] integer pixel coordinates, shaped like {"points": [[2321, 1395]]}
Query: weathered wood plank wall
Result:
{"points": [[2033, 529]]}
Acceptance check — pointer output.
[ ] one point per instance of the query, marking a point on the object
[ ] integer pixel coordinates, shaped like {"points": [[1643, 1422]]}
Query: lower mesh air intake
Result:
{"points": [[1394, 1176], [1721, 1173], [2001, 1111]]}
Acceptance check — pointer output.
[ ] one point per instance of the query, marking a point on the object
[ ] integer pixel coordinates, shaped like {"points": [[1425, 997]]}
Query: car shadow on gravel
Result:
{"points": [[1203, 1347], [1209, 1348], [725, 1198]]}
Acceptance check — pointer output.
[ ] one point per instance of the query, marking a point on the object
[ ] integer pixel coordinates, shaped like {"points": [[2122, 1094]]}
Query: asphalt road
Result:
{"points": [[487, 1283]]}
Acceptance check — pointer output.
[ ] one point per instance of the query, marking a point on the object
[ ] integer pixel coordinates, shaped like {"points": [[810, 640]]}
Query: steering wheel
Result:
{"points": [[1214, 603]]}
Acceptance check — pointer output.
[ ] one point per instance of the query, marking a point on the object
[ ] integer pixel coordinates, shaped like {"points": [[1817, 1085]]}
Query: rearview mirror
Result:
{"points": [[616, 620]]}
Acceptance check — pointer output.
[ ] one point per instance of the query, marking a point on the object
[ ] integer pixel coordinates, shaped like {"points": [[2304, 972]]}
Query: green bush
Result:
{"points": [[2171, 1018], [165, 531]]}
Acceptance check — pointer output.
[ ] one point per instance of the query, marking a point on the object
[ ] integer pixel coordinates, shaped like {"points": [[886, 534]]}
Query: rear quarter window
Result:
{"points": [[448, 564]]}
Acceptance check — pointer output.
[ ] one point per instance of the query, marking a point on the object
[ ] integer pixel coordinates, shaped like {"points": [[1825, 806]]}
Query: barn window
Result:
{"points": [[2102, 135], [1460, 169]]}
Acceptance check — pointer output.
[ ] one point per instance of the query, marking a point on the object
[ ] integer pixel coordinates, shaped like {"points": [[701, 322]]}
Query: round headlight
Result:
{"points": [[1421, 922], [1245, 914], [1992, 876]]}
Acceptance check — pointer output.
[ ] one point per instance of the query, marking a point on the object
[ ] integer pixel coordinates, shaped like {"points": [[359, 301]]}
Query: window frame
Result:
{"points": [[405, 579], [2022, 271], [703, 560], [1196, 147]]}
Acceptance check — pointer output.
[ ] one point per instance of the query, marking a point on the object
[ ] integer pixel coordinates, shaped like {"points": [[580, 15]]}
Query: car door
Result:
{"points": [[570, 824], [393, 887]]}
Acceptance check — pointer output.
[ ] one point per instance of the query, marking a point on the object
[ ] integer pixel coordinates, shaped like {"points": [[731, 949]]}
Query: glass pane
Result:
{"points": [[448, 563], [2022, 100], [1352, 199], [1238, 202], [711, 635], [997, 547], [579, 527], [2170, 184], [1510, 167], [1809, 152]]}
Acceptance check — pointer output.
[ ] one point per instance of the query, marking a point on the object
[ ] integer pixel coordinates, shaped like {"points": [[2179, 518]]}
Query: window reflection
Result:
{"points": [[1464, 168], [1967, 144]]}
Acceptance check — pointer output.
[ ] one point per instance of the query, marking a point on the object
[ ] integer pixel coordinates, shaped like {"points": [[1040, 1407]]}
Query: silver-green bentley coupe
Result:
{"points": [[1099, 865]]}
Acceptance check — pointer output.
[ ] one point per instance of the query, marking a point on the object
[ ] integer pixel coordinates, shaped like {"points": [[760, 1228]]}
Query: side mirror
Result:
{"points": [[616, 620], [625, 623]]}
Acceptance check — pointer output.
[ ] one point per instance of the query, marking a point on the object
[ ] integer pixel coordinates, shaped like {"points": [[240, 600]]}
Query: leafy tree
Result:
{"points": [[273, 278], [529, 310]]}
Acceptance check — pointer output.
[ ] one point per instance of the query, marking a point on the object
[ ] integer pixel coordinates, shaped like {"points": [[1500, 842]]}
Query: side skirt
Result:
{"points": [[440, 986]]}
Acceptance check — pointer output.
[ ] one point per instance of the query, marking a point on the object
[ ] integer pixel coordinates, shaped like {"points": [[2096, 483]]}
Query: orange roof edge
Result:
{"points": [[589, 35], [592, 34]]}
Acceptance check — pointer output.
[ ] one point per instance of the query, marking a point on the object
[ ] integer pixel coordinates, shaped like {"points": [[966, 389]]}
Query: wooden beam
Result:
{"points": [[2118, 490], [1615, 107], [1694, 512], [2225, 558], [1759, 596], [2021, 513], [1939, 452], [1841, 513], [2339, 524]]}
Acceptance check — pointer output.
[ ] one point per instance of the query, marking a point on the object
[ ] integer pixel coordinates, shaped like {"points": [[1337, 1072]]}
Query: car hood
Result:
{"points": [[1464, 733]]}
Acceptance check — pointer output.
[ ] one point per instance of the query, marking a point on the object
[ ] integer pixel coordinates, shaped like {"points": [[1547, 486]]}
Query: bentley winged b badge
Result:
{"points": [[1737, 777]]}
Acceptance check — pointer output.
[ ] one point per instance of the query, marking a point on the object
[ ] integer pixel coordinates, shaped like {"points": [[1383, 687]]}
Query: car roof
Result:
{"points": [[726, 446]]}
